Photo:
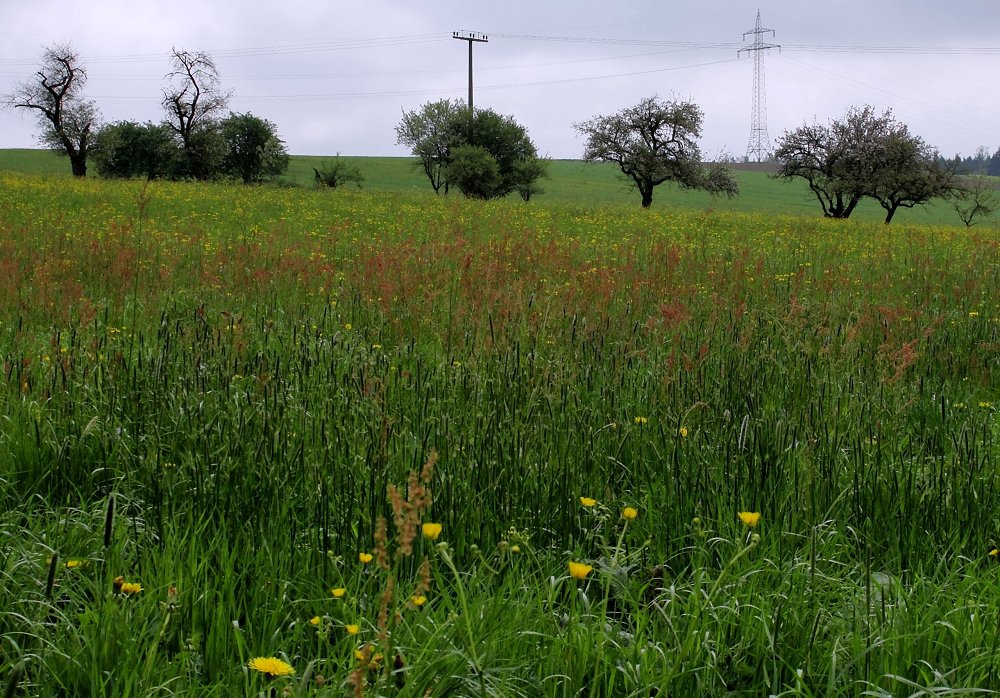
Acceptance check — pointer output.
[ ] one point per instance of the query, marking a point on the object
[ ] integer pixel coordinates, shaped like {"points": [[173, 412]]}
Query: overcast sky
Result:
{"points": [[334, 76]]}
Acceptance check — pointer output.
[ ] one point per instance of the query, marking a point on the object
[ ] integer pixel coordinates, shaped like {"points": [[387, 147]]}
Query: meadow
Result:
{"points": [[285, 441]]}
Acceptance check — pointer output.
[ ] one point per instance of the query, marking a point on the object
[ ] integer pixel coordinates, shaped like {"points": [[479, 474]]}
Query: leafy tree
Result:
{"points": [[475, 172], [55, 92], [906, 172], [518, 166], [655, 142], [527, 173], [128, 149], [863, 154], [430, 134], [254, 152], [193, 99], [439, 129], [337, 173], [974, 197]]}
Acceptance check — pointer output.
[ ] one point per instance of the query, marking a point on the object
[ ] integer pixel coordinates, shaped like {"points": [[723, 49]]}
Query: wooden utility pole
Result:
{"points": [[470, 37]]}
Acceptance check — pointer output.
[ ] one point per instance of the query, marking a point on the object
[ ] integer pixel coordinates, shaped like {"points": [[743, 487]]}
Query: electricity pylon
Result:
{"points": [[759, 147]]}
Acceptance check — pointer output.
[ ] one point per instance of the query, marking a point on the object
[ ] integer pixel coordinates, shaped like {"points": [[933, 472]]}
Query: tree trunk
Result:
{"points": [[890, 212], [647, 195], [79, 164]]}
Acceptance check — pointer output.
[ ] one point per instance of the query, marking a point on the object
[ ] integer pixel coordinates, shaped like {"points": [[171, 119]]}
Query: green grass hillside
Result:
{"points": [[570, 182]]}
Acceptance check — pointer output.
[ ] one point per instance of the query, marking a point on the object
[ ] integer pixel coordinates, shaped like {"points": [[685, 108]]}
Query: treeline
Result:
{"points": [[981, 163], [195, 140], [485, 155]]}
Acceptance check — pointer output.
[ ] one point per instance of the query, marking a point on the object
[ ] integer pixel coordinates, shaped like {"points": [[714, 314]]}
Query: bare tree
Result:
{"points": [[194, 101], [652, 143], [974, 197], [55, 93]]}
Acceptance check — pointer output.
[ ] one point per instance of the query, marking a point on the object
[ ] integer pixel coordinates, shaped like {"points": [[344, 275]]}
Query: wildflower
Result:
{"points": [[431, 531], [352, 628], [981, 404], [118, 582], [272, 666], [579, 570], [315, 620], [70, 564], [418, 599], [348, 326], [130, 588], [641, 420], [365, 558], [374, 660], [338, 593], [749, 518], [683, 431], [587, 501], [629, 513], [995, 553]]}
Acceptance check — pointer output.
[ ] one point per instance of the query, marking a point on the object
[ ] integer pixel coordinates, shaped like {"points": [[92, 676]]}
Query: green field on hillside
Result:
{"points": [[571, 182], [289, 441]]}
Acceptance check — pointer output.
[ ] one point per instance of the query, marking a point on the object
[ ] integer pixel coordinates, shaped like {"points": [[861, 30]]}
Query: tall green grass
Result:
{"points": [[247, 371]]}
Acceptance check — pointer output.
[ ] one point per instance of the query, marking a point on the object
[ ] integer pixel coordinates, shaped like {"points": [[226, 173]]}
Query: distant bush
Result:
{"points": [[337, 173]]}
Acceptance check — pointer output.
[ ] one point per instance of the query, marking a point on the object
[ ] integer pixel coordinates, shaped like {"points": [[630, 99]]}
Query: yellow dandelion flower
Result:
{"points": [[365, 558], [338, 593], [587, 501], [418, 600], [431, 531], [352, 628], [130, 588], [749, 518], [272, 666], [629, 513], [579, 570]]}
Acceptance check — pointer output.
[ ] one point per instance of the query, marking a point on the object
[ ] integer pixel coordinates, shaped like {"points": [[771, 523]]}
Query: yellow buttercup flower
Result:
{"points": [[641, 420], [629, 513], [683, 431], [315, 620], [579, 570], [418, 600], [431, 531], [365, 558], [70, 564], [338, 593], [352, 628], [587, 501], [995, 553], [749, 518], [272, 666]]}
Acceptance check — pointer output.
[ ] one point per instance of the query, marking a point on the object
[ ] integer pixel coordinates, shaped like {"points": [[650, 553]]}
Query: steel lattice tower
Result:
{"points": [[759, 147]]}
